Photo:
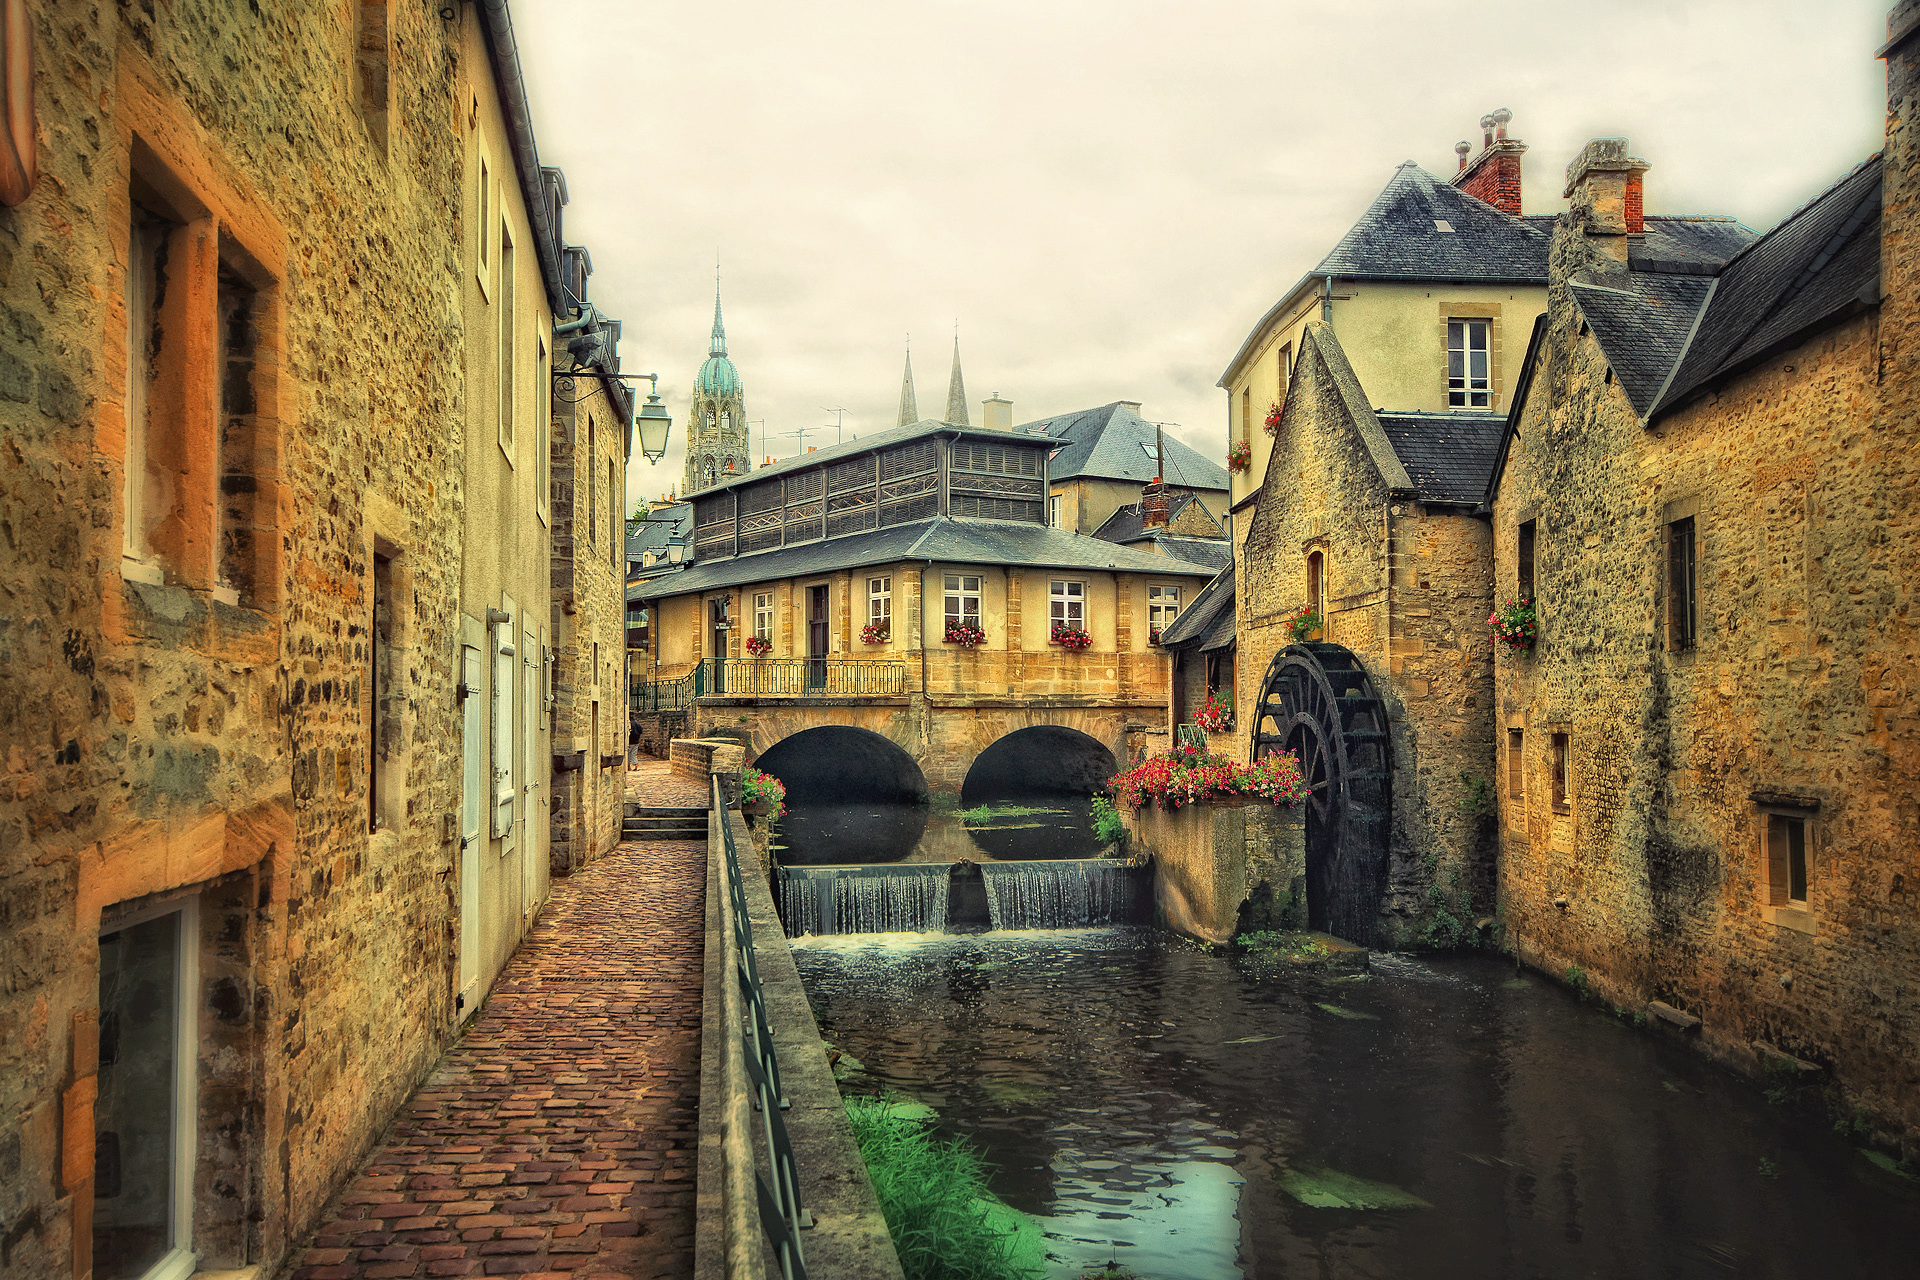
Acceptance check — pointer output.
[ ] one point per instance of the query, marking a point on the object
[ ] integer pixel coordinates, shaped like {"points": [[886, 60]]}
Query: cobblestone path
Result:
{"points": [[559, 1137]]}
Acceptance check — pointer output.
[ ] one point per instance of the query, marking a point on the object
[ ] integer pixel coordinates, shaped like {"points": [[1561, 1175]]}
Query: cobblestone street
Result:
{"points": [[560, 1135]]}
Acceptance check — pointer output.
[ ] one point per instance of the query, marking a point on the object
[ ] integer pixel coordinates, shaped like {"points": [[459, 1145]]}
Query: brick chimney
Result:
{"points": [[1494, 174], [996, 414], [1604, 184], [1154, 505]]}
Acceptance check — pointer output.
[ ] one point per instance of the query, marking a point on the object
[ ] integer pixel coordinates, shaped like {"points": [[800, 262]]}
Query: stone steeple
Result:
{"points": [[909, 408], [956, 389], [717, 420]]}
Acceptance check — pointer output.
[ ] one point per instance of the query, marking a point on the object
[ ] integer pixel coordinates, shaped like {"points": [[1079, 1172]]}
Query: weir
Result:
{"points": [[941, 897]]}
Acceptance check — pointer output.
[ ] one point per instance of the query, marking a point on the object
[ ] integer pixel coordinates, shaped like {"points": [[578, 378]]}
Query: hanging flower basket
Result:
{"points": [[1070, 637], [1515, 624], [759, 648], [964, 634], [1302, 622], [1196, 778], [1215, 715], [1274, 416], [1239, 456], [876, 633]]}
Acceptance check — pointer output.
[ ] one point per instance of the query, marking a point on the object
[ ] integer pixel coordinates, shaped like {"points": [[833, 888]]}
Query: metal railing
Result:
{"points": [[753, 1081], [771, 678]]}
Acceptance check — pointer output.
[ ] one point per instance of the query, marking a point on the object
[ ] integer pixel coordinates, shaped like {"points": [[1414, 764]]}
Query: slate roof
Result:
{"points": [[1448, 456], [865, 444], [1398, 237], [1820, 263], [1212, 553], [942, 538], [1125, 524], [1203, 614], [1643, 327], [1106, 444]]}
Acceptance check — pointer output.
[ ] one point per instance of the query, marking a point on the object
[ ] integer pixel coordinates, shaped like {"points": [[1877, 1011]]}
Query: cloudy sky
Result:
{"points": [[1106, 196]]}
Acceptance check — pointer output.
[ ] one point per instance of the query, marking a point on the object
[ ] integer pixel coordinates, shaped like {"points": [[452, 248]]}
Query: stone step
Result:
{"points": [[665, 824], [636, 810]]}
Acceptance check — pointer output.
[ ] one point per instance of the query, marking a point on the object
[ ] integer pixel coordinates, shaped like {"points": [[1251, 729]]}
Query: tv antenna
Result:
{"points": [[839, 420], [801, 434]]}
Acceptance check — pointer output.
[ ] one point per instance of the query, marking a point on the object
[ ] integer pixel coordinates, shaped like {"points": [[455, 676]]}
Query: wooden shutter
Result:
{"points": [[1777, 838], [503, 744], [472, 753]]}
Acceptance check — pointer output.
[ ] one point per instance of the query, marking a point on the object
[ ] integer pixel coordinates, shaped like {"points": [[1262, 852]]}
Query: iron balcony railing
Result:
{"points": [[753, 1083], [772, 678]]}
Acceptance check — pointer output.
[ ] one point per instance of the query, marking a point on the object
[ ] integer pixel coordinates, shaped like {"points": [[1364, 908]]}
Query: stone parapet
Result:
{"points": [[1223, 869]]}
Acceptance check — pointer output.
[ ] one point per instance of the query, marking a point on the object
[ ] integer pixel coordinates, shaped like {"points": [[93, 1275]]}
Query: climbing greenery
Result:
{"points": [[933, 1193], [1108, 827], [755, 785]]}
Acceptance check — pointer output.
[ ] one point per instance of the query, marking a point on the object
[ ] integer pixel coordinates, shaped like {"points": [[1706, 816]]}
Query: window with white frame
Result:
{"points": [[1469, 364], [1163, 606], [1053, 511], [880, 603], [483, 260], [542, 431], [1067, 604], [763, 615], [508, 365], [963, 598]]}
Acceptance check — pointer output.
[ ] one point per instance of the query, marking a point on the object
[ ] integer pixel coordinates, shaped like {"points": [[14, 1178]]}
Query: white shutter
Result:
{"points": [[529, 716], [503, 738], [472, 749]]}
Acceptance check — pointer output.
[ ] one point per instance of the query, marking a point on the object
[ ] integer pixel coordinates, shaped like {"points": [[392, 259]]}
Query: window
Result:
{"points": [[382, 736], [1682, 612], [1562, 793], [1053, 511], [1469, 378], [613, 515], [506, 363], [1524, 559], [1516, 764], [880, 603], [144, 1113], [1787, 860], [483, 253], [143, 287], [593, 488], [502, 718], [1246, 413], [1317, 586], [963, 598], [763, 616], [371, 65], [1067, 604], [238, 518], [542, 431], [1163, 606]]}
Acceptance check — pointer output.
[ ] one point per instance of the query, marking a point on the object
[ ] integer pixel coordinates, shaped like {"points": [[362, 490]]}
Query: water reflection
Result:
{"points": [[1011, 831], [1199, 1117]]}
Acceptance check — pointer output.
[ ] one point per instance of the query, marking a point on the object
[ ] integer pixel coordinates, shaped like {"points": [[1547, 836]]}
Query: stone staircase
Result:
{"points": [[663, 822]]}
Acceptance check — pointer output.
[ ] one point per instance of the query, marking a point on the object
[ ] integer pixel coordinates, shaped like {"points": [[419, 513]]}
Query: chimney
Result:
{"points": [[1603, 182], [1494, 174], [1154, 505], [996, 414]]}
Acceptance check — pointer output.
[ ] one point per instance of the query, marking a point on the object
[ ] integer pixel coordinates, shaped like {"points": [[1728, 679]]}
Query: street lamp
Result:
{"points": [[653, 423]]}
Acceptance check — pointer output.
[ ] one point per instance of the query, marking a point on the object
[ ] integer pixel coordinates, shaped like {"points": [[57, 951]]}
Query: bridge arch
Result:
{"points": [[853, 795], [1040, 759]]}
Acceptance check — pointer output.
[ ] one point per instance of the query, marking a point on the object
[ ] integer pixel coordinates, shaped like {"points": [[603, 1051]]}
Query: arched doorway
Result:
{"points": [[1037, 786], [1318, 702], [853, 795]]}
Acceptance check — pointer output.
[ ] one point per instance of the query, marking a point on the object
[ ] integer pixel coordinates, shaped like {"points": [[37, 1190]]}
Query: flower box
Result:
{"points": [[1240, 456], [1215, 715], [758, 648], [1173, 783], [1515, 624], [1275, 414], [876, 633], [1072, 638], [964, 634], [1303, 622]]}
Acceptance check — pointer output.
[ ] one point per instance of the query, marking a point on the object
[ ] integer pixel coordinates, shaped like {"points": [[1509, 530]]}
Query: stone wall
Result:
{"points": [[1408, 591], [1652, 878], [196, 723], [1223, 869]]}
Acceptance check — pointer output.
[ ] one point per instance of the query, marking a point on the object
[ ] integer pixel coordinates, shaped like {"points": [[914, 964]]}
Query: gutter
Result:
{"points": [[505, 59]]}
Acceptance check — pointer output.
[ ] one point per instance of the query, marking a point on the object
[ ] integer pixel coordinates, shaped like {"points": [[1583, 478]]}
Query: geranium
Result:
{"points": [[758, 786], [1196, 778], [1274, 413], [1239, 456], [1215, 715], [1515, 624], [1302, 622], [1071, 637], [963, 633], [876, 633], [758, 647]]}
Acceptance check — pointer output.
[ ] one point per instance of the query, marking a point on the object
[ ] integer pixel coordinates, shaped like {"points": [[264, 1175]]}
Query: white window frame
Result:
{"points": [[180, 1261], [1163, 606], [506, 363], [484, 207], [763, 615], [962, 603], [1464, 389], [504, 795], [542, 432], [880, 602], [1067, 603], [1053, 511]]}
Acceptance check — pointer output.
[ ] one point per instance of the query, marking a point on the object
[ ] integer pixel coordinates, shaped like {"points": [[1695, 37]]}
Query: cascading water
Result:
{"points": [[899, 898], [1060, 894]]}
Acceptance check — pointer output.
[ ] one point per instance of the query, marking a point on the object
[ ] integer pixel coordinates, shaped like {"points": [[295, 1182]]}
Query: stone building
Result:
{"points": [[1708, 757], [717, 443], [821, 589], [272, 384], [592, 443]]}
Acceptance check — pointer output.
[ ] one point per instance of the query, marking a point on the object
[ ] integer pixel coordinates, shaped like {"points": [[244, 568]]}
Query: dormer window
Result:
{"points": [[1441, 224], [1469, 364]]}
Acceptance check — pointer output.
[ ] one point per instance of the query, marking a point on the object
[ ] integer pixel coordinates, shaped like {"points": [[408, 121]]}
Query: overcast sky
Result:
{"points": [[1106, 196]]}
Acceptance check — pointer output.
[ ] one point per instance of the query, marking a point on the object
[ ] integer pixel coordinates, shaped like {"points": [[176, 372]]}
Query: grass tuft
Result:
{"points": [[945, 1224]]}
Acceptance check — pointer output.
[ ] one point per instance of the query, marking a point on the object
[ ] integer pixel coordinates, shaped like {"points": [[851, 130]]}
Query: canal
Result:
{"points": [[1196, 1116]]}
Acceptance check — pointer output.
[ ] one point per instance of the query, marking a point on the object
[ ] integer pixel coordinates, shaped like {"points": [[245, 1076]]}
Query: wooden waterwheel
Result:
{"points": [[1318, 702]]}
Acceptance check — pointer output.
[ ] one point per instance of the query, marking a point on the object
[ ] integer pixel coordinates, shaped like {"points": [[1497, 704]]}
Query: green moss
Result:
{"points": [[1330, 1189], [944, 1222]]}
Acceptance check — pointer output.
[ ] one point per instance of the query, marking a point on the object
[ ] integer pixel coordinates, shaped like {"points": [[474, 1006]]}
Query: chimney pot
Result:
{"points": [[1500, 118], [1604, 183], [1460, 149], [1154, 505], [996, 414], [1486, 130]]}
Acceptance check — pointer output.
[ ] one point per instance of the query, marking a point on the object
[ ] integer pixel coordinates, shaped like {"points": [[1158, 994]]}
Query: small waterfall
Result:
{"points": [[1060, 894], [908, 897]]}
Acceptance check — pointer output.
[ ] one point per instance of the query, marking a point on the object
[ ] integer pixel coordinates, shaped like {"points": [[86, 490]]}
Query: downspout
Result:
{"points": [[1326, 303]]}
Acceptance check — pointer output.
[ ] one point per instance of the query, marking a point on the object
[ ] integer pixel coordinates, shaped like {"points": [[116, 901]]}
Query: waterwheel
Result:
{"points": [[1318, 703]]}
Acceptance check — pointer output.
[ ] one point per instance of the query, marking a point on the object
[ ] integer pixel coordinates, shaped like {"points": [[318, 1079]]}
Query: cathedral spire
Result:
{"points": [[956, 389], [909, 409], [718, 347]]}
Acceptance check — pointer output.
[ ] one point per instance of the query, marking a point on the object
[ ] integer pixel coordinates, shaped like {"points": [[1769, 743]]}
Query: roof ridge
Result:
{"points": [[1781, 225]]}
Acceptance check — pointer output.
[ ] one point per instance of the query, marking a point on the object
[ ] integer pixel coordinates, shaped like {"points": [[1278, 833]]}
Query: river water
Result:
{"points": [[1021, 828], [1198, 1117]]}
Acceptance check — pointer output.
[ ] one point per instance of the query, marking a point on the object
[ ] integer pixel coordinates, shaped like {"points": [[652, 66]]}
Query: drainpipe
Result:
{"points": [[1326, 302]]}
